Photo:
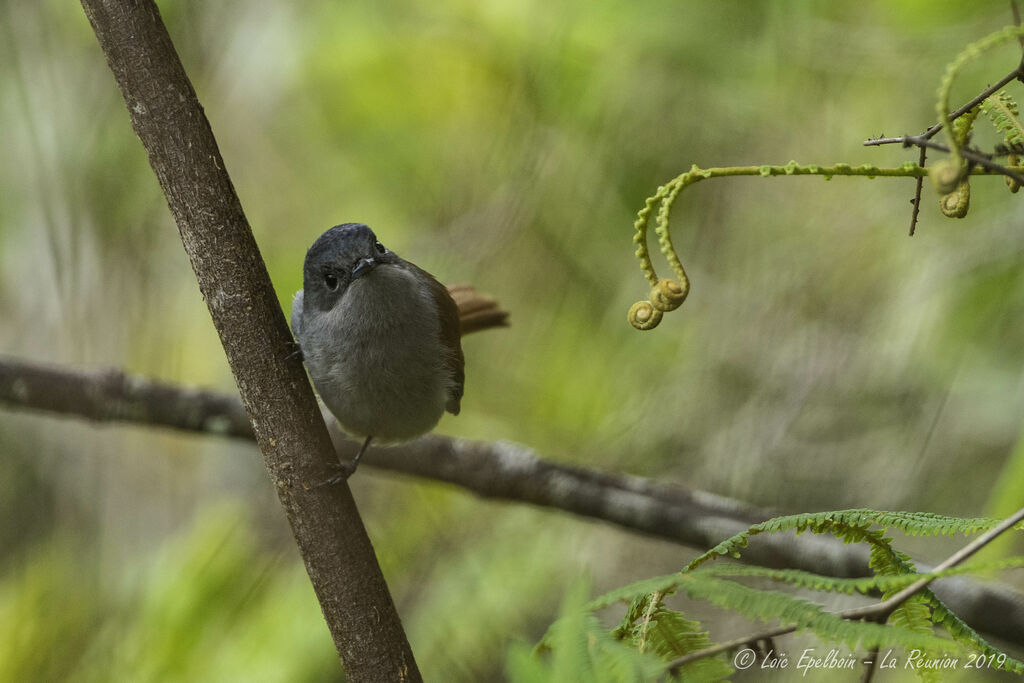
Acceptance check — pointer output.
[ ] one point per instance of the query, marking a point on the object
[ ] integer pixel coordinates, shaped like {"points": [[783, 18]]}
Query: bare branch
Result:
{"points": [[503, 471]]}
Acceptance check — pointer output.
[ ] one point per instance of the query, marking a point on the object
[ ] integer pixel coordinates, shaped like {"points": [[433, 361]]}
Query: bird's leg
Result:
{"points": [[346, 469], [355, 461]]}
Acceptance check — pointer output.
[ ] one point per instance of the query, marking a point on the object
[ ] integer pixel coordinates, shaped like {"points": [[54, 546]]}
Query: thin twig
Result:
{"points": [[930, 133], [974, 157], [878, 611], [918, 185]]}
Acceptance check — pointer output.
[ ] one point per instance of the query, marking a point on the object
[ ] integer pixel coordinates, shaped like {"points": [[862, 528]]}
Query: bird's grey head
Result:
{"points": [[339, 257]]}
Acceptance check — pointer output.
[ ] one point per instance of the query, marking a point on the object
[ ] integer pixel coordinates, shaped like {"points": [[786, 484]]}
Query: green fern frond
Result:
{"points": [[909, 626], [669, 635], [581, 649], [967, 636], [770, 606], [915, 523], [613, 661], [942, 615], [860, 585], [915, 616], [853, 526], [1003, 112], [637, 605]]}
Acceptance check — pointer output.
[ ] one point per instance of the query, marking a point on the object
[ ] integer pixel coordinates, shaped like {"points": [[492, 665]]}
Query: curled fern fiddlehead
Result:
{"points": [[668, 295], [644, 316], [956, 203]]}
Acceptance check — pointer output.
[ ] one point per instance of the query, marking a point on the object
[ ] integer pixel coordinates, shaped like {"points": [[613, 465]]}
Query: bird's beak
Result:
{"points": [[364, 266]]}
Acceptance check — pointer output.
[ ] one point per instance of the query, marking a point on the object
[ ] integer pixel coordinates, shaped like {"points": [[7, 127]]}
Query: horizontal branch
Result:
{"points": [[499, 470]]}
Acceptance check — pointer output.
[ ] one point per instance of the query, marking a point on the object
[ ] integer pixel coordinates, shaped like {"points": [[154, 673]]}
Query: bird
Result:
{"points": [[381, 338]]}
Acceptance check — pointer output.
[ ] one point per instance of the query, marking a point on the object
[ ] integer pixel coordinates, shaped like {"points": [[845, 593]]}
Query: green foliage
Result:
{"points": [[768, 606], [205, 609], [913, 615], [1002, 110], [503, 144], [852, 526], [517, 576], [578, 648], [1006, 496], [47, 606], [879, 583], [649, 626]]}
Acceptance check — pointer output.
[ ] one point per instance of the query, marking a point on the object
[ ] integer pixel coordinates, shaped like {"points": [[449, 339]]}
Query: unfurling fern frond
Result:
{"points": [[669, 634], [967, 636], [580, 648]]}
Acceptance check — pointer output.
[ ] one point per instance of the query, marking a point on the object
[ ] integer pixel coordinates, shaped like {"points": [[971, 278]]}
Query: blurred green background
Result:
{"points": [[823, 360]]}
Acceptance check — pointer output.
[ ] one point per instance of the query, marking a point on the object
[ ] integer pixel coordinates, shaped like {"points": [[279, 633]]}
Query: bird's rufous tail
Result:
{"points": [[477, 311]]}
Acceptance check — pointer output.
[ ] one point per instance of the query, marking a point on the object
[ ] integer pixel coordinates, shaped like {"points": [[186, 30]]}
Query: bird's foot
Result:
{"points": [[344, 470]]}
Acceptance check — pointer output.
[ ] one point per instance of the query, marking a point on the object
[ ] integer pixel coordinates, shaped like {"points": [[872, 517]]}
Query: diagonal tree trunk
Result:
{"points": [[289, 429]]}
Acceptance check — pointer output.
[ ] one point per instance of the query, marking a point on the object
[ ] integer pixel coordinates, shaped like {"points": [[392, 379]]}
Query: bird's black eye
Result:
{"points": [[379, 247], [331, 280]]}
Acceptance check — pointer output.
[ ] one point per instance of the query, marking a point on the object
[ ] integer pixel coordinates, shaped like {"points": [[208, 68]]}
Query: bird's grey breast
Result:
{"points": [[376, 357]]}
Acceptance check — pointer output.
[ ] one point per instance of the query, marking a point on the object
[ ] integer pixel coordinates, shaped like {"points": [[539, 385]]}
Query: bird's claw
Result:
{"points": [[344, 471]]}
